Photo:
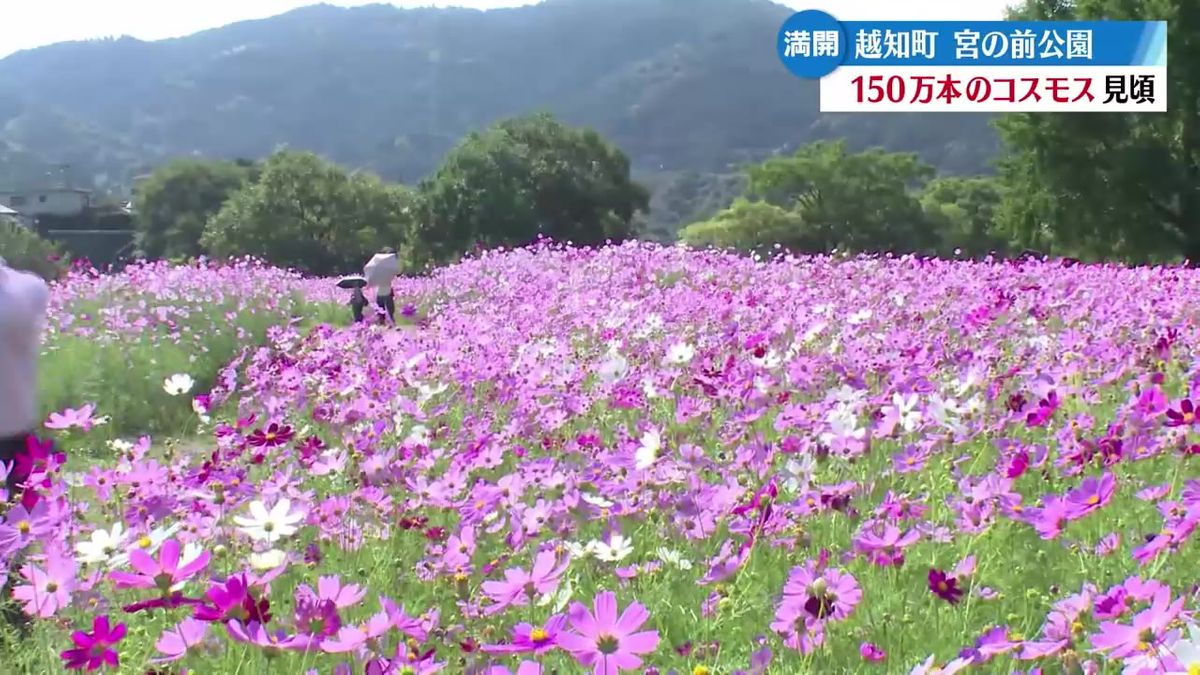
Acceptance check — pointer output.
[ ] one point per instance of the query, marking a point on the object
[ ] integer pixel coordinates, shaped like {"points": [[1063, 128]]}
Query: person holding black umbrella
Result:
{"points": [[358, 301]]}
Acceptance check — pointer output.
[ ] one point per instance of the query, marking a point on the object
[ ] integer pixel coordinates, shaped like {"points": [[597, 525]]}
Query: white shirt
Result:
{"points": [[23, 301], [379, 272]]}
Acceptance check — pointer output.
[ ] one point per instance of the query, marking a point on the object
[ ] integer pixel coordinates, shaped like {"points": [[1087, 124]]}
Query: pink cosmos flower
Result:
{"points": [[331, 588], [162, 573], [71, 418], [1148, 631], [605, 642], [49, 589], [871, 652], [825, 594], [175, 642], [526, 668], [520, 586], [257, 634], [95, 649], [885, 546]]}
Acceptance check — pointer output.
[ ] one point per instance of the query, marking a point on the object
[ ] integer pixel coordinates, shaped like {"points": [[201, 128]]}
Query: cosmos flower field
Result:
{"points": [[627, 460]]}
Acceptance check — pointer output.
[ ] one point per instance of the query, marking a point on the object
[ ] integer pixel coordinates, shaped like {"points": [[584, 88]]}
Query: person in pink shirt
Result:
{"points": [[23, 301]]}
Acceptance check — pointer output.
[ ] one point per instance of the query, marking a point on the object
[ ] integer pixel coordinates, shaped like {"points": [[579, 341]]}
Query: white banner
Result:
{"points": [[995, 89]]}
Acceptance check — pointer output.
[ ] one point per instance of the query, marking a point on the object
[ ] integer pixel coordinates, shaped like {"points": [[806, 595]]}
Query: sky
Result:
{"points": [[34, 23]]}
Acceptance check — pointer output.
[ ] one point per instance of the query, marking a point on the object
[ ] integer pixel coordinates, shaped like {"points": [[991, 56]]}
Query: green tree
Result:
{"points": [[863, 201], [24, 250], [750, 226], [1102, 185], [962, 210], [308, 214], [528, 176], [175, 202]]}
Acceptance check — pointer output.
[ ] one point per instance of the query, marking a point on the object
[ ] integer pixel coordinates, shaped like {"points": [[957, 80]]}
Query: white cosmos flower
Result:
{"points": [[560, 597], [101, 546], [269, 526], [674, 558], [596, 500], [1187, 651], [798, 473], [858, 317], [419, 435], [119, 446], [812, 333], [147, 542], [267, 560], [768, 360], [906, 409], [613, 368], [680, 353], [647, 452], [190, 553], [426, 392], [648, 388], [618, 548], [179, 383], [579, 551]]}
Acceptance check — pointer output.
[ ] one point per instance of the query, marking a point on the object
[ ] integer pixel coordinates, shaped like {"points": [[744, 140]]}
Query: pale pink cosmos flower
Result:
{"points": [[48, 589]]}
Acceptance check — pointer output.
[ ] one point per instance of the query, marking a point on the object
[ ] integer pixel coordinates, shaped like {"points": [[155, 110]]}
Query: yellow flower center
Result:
{"points": [[538, 635], [1093, 500], [942, 586], [1193, 668], [1189, 417], [703, 670], [144, 542], [24, 526]]}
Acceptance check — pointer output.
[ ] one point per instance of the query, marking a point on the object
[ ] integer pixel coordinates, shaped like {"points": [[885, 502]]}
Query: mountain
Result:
{"points": [[688, 88]]}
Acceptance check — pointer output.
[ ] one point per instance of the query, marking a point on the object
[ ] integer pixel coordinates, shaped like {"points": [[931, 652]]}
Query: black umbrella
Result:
{"points": [[352, 282]]}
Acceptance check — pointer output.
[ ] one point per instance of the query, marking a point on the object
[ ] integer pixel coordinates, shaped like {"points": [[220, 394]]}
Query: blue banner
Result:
{"points": [[813, 43]]}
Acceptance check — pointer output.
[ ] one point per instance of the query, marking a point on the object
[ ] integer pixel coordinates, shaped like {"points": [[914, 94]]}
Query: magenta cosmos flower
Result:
{"points": [[605, 642], [95, 649], [944, 586], [1091, 495], [530, 638]]}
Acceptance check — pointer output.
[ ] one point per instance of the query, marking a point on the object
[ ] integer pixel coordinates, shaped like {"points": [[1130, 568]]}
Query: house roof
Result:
{"points": [[44, 191], [5, 211]]}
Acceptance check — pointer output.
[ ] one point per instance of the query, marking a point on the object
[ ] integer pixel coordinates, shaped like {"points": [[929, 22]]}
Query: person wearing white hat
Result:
{"points": [[380, 271], [23, 301]]}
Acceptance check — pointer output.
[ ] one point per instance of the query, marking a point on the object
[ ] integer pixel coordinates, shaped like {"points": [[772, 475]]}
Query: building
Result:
{"points": [[47, 201], [9, 215]]}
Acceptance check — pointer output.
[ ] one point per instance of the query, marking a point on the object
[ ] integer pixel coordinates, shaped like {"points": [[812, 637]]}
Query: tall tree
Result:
{"points": [[311, 215], [174, 203], [528, 176], [962, 210], [864, 201], [1119, 184]]}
